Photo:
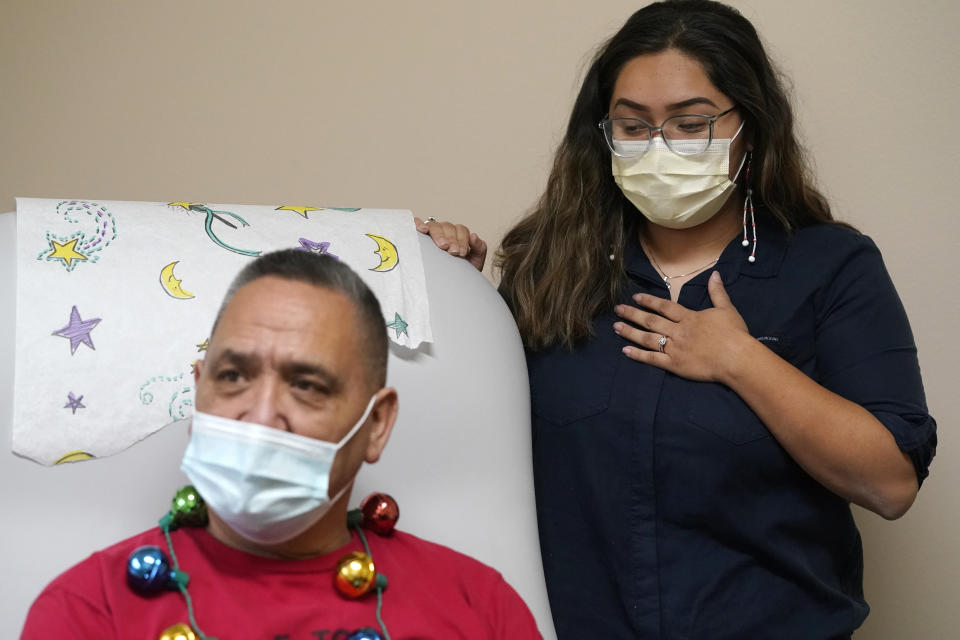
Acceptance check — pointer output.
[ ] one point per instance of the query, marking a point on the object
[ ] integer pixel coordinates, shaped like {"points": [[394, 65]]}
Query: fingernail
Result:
{"points": [[625, 351], [617, 327], [453, 249], [618, 309], [715, 276], [637, 297]]}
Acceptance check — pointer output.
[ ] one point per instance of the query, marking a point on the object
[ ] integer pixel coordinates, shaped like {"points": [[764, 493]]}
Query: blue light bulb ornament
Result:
{"points": [[149, 572], [365, 634]]}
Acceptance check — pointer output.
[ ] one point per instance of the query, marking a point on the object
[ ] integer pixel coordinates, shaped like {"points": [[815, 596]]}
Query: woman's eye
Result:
{"points": [[630, 129], [688, 124]]}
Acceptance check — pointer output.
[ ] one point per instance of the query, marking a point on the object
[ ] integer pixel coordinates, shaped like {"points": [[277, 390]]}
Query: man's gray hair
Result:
{"points": [[329, 273]]}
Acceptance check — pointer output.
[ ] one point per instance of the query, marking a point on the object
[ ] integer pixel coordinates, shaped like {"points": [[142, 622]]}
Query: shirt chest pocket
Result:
{"points": [[785, 347], [721, 411], [569, 386], [718, 409]]}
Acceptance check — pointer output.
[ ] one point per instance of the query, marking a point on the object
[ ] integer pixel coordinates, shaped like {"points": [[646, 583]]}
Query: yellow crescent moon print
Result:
{"points": [[387, 251], [74, 456], [171, 284]]}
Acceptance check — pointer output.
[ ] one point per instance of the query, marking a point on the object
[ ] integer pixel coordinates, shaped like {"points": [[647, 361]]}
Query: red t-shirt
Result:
{"points": [[432, 592]]}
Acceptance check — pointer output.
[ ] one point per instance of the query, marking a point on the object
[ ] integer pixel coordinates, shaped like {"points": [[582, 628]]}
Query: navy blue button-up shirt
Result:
{"points": [[666, 508]]}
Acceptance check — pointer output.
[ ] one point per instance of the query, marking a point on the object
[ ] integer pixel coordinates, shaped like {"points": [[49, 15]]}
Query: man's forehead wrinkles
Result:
{"points": [[287, 322]]}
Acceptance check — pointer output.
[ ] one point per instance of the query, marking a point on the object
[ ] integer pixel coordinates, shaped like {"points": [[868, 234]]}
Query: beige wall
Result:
{"points": [[452, 109]]}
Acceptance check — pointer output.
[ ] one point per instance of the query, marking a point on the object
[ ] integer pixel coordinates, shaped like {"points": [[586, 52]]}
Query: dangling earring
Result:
{"points": [[748, 207]]}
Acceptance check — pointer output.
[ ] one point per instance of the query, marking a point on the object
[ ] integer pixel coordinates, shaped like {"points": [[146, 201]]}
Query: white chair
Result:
{"points": [[458, 463]]}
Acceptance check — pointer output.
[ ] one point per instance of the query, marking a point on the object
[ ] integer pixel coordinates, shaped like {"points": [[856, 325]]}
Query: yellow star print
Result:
{"points": [[66, 251], [301, 210], [185, 205]]}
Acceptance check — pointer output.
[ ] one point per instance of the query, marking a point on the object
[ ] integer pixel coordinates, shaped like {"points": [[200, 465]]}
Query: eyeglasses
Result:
{"points": [[685, 135]]}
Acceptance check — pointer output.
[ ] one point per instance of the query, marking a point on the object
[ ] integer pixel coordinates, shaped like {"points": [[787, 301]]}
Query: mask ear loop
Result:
{"points": [[748, 207]]}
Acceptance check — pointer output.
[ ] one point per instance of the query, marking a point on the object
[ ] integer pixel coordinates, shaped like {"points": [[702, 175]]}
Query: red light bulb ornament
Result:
{"points": [[380, 513]]}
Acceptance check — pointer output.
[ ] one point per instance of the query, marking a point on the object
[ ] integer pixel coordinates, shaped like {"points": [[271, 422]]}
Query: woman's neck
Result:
{"points": [[679, 255]]}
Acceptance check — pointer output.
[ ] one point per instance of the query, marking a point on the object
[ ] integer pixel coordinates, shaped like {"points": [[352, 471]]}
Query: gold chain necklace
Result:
{"points": [[666, 278]]}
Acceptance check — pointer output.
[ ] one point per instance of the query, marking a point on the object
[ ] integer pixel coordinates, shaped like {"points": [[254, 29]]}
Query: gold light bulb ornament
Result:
{"points": [[178, 632], [355, 574]]}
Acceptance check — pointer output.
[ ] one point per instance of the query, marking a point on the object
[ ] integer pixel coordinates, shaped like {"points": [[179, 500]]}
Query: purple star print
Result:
{"points": [[316, 247], [78, 330], [73, 403]]}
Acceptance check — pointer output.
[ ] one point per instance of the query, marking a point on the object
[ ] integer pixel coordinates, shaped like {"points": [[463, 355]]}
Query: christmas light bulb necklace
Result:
{"points": [[149, 571]]}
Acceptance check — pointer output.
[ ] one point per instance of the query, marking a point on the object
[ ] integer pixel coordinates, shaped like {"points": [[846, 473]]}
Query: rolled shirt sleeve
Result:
{"points": [[865, 352]]}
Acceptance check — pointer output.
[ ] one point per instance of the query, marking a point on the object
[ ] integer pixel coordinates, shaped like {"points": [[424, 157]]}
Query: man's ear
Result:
{"points": [[381, 419], [197, 365]]}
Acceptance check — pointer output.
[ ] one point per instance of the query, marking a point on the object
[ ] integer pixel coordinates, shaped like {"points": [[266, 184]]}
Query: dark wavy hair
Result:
{"points": [[555, 265]]}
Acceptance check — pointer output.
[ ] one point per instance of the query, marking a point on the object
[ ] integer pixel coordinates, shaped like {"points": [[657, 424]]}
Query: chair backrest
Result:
{"points": [[458, 463]]}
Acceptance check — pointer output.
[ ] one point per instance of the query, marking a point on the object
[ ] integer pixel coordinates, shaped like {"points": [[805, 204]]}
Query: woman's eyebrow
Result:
{"points": [[683, 104], [676, 106], [630, 103]]}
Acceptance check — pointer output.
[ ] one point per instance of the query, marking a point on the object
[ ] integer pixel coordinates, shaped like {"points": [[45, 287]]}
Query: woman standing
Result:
{"points": [[717, 367]]}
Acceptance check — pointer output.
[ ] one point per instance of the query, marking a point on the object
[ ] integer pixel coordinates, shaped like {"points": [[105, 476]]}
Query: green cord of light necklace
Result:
{"points": [[182, 579]]}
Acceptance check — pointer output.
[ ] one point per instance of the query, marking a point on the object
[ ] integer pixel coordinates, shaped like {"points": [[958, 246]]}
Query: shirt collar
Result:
{"points": [[772, 242]]}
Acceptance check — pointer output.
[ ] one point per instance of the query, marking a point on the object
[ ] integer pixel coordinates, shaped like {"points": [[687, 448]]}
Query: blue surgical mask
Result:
{"points": [[266, 484]]}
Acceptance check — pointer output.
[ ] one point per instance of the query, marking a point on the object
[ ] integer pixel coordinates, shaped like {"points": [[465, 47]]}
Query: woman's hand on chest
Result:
{"points": [[698, 345]]}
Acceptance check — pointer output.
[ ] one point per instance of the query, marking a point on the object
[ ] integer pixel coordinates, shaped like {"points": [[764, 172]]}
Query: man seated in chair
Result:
{"points": [[290, 402]]}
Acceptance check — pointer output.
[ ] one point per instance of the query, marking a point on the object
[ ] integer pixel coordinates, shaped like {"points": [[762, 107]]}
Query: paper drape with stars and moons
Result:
{"points": [[115, 302]]}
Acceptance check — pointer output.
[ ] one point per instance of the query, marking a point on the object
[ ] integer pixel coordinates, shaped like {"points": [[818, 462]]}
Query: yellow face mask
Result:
{"points": [[673, 190]]}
